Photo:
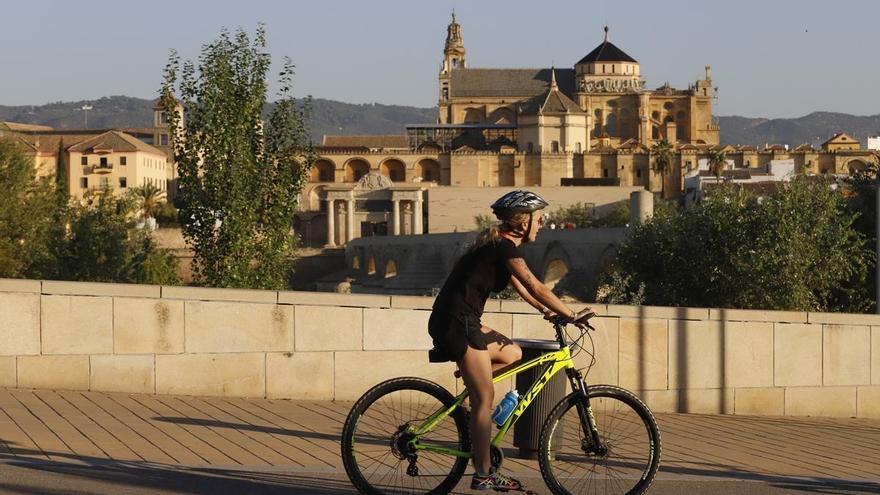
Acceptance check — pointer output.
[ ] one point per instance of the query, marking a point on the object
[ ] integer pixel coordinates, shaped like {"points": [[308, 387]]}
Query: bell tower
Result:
{"points": [[453, 58]]}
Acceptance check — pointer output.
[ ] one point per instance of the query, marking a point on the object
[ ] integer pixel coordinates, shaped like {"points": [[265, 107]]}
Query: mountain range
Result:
{"points": [[334, 117]]}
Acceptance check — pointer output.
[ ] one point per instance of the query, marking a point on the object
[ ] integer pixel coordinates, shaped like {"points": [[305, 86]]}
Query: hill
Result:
{"points": [[334, 117]]}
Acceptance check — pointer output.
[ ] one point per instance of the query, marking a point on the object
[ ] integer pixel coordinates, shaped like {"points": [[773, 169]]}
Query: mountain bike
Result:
{"points": [[410, 435]]}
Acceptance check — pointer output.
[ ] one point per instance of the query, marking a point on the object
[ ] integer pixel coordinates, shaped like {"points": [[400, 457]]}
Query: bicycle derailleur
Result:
{"points": [[403, 449]]}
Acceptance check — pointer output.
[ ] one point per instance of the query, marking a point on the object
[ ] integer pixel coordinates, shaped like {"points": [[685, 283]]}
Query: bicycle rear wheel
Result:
{"points": [[629, 453], [374, 440]]}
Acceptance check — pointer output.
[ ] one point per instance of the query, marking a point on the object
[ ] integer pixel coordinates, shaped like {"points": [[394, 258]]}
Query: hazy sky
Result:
{"points": [[771, 58]]}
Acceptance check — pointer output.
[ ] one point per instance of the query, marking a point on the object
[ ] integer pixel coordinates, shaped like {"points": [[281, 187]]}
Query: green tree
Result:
{"points": [[663, 154], [796, 249], [239, 179], [29, 209], [101, 245], [717, 163]]}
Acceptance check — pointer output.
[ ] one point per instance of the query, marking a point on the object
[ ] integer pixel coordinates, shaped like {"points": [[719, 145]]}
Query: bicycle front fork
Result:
{"points": [[592, 442]]}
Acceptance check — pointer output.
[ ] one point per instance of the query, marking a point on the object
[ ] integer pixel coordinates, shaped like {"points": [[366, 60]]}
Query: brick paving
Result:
{"points": [[301, 438]]}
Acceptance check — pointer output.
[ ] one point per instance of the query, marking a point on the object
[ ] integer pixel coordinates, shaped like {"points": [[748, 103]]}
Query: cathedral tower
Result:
{"points": [[453, 58]]}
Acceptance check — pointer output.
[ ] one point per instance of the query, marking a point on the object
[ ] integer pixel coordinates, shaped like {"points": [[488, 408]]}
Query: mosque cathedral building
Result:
{"points": [[593, 124]]}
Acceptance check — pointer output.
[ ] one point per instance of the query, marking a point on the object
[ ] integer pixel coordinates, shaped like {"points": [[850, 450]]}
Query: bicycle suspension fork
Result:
{"points": [[592, 442]]}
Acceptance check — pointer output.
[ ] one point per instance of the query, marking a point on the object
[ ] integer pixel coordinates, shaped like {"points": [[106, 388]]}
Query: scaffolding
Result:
{"points": [[449, 137]]}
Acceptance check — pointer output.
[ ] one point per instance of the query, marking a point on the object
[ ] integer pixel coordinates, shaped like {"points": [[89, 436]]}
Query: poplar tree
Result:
{"points": [[239, 177]]}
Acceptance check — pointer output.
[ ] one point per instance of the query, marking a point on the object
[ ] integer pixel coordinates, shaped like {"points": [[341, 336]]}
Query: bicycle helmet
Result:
{"points": [[518, 202]]}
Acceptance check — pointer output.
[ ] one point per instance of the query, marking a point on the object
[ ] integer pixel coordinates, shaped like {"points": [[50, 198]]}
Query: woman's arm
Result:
{"points": [[540, 292], [524, 294]]}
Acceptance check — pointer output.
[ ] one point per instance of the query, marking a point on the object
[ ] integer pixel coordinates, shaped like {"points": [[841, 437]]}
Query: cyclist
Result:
{"points": [[493, 261]]}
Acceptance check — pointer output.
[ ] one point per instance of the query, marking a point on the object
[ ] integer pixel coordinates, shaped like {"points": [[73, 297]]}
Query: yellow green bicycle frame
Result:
{"points": [[558, 360]]}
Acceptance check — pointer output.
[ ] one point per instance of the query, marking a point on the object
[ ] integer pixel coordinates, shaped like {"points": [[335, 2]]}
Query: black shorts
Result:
{"points": [[452, 335]]}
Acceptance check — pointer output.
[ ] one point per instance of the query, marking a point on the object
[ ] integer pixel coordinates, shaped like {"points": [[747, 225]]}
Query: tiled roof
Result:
{"points": [[840, 137], [508, 82], [19, 127], [117, 141], [552, 101], [366, 141], [606, 52]]}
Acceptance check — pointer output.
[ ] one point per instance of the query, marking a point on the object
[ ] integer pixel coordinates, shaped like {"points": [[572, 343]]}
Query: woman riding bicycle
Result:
{"points": [[493, 261]]}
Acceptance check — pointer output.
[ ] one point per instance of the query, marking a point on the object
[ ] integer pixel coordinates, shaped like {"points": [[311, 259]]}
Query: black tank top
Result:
{"points": [[475, 275]]}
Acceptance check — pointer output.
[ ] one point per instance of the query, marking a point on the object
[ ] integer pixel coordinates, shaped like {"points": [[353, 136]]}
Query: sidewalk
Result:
{"points": [[259, 446]]}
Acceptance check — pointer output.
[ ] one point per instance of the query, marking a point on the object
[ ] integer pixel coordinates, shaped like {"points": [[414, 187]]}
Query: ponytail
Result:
{"points": [[493, 233]]}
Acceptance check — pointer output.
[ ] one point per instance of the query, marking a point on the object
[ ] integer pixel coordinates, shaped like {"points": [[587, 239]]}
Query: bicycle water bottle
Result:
{"points": [[505, 407]]}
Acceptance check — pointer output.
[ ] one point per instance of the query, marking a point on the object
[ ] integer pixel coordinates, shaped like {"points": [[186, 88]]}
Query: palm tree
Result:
{"points": [[148, 198], [717, 163], [662, 152]]}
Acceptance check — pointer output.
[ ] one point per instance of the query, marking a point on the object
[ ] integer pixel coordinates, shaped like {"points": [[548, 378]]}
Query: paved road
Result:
{"points": [[94, 443]]}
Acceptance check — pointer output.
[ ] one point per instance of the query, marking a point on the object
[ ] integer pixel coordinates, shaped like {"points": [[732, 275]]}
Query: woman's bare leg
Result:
{"points": [[476, 371]]}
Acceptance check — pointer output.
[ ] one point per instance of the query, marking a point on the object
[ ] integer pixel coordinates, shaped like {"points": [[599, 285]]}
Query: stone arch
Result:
{"points": [[394, 169], [355, 168], [503, 115], [473, 116], [322, 171], [856, 165], [390, 269], [316, 199], [611, 124], [556, 264], [429, 170]]}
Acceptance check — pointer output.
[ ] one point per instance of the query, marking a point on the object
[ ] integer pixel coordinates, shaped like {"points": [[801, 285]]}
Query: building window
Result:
{"points": [[105, 182], [428, 176], [554, 146], [84, 182], [530, 147], [122, 160], [103, 161], [123, 182], [639, 173], [84, 160], [163, 118], [163, 139], [577, 147], [604, 172]]}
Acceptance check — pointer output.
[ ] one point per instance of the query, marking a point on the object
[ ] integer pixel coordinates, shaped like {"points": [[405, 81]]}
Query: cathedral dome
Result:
{"points": [[606, 52]]}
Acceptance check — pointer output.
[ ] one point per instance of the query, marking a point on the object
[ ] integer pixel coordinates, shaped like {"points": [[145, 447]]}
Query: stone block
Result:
{"points": [[77, 324], [875, 355], [19, 323], [643, 354], [500, 322], [517, 307], [400, 329], [660, 401], [216, 294], [706, 401], [759, 401], [797, 353], [694, 355], [130, 374], [333, 299], [748, 353], [20, 285], [412, 302], [531, 326], [147, 326], [299, 375], [325, 328], [99, 289], [846, 356], [53, 372], [758, 315], [659, 312], [224, 375], [8, 378], [237, 327], [606, 349], [354, 372], [868, 402], [843, 318], [821, 401]]}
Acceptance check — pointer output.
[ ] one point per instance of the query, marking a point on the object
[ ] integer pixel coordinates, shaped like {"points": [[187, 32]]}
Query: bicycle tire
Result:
{"points": [[616, 479], [381, 401]]}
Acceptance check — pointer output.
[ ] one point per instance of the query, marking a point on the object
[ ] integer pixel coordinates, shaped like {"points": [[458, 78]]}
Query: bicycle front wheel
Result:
{"points": [[624, 462], [375, 449]]}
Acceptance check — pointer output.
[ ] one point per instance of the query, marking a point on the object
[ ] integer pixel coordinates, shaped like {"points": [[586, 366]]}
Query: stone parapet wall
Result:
{"points": [[306, 345]]}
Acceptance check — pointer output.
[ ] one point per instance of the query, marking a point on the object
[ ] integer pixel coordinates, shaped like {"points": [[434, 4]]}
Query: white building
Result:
{"points": [[696, 180], [874, 143]]}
